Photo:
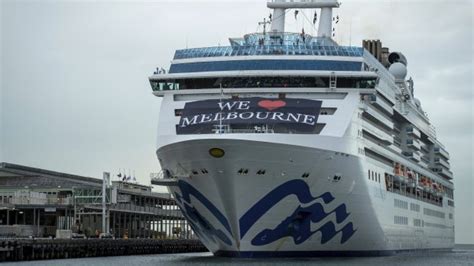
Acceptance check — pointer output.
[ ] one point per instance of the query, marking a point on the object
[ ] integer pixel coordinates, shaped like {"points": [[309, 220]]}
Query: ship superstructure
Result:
{"points": [[285, 144]]}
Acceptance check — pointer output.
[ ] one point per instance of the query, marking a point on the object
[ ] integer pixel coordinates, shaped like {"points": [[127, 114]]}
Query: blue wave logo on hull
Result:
{"points": [[298, 224], [200, 225]]}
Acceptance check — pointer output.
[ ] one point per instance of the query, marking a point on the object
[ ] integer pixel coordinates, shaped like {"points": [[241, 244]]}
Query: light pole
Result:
{"points": [[105, 183]]}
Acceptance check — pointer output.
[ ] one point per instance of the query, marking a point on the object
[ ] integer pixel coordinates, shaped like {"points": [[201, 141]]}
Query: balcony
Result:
{"points": [[413, 144], [397, 141], [425, 148], [425, 159], [412, 131], [415, 156], [396, 149], [375, 115], [424, 163], [441, 151], [381, 135], [396, 128], [381, 104], [440, 161], [443, 172]]}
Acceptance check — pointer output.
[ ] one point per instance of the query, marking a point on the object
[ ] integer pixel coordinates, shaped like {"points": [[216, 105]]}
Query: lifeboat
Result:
{"points": [[411, 179]]}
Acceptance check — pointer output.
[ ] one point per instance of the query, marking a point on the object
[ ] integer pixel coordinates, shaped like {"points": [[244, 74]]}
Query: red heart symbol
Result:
{"points": [[271, 105]]}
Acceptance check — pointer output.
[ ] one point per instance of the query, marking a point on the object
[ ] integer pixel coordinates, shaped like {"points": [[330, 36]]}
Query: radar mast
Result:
{"points": [[325, 22]]}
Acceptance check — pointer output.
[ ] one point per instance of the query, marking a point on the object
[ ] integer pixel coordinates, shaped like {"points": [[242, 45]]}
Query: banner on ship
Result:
{"points": [[202, 116]]}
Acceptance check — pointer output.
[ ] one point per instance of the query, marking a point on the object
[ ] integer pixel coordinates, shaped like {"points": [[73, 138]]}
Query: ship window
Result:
{"points": [[401, 204], [261, 172], [415, 207], [400, 220], [178, 112], [243, 171], [164, 85], [257, 82], [433, 213]]}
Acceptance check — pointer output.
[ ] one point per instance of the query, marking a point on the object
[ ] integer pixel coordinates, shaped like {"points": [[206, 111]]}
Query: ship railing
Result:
{"points": [[273, 49], [158, 210], [388, 81], [408, 187], [432, 130], [242, 130]]}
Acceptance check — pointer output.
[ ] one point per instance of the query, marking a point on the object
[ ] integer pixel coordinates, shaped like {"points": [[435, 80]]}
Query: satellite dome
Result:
{"points": [[394, 57], [398, 70]]}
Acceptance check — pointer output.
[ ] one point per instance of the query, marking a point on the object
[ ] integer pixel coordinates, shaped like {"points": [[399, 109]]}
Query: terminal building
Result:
{"points": [[37, 202]]}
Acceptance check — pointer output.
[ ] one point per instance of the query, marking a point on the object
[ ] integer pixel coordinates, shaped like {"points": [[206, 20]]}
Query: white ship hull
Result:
{"points": [[327, 150], [335, 210]]}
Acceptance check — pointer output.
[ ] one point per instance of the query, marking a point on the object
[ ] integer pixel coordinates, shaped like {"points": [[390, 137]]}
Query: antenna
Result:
{"points": [[325, 20], [350, 31], [264, 23]]}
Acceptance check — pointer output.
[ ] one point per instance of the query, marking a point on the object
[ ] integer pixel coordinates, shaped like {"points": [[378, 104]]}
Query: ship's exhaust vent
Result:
{"points": [[375, 48]]}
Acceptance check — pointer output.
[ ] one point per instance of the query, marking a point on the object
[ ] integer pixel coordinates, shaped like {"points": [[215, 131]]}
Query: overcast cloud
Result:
{"points": [[75, 96]]}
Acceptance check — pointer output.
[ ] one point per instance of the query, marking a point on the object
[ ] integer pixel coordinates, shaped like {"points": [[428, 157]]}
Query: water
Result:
{"points": [[461, 255]]}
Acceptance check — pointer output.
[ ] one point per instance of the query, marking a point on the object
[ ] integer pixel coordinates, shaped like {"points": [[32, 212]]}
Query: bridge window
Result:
{"points": [[260, 82], [164, 85]]}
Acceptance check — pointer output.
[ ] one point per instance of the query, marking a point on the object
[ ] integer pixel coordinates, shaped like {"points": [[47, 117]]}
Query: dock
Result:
{"points": [[46, 214], [37, 203]]}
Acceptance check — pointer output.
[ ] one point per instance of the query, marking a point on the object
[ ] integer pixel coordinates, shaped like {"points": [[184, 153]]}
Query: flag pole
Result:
{"points": [[220, 113]]}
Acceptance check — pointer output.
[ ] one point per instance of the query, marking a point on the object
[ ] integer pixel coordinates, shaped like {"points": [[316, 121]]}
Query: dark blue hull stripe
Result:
{"points": [[332, 253]]}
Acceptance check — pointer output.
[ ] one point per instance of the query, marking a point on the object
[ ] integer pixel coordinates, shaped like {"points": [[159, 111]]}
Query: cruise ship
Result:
{"points": [[287, 144]]}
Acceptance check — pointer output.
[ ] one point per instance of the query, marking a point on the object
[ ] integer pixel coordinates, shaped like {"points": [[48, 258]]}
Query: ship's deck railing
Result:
{"points": [[248, 50], [406, 187]]}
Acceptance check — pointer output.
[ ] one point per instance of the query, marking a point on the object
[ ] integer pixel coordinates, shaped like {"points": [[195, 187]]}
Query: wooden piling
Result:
{"points": [[39, 249]]}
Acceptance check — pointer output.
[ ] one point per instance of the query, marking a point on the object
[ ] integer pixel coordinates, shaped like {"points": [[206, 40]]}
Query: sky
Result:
{"points": [[75, 95]]}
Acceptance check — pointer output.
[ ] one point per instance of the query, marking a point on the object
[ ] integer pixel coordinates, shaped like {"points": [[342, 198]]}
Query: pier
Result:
{"points": [[37, 203], [46, 214]]}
